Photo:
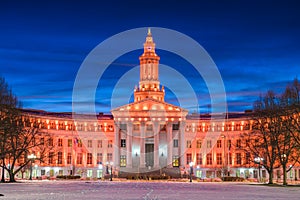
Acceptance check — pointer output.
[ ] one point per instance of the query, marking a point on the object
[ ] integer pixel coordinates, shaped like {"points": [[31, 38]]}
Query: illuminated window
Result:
{"points": [[89, 158], [79, 158], [208, 143], [109, 144], [209, 159], [69, 142], [90, 143], [199, 159], [122, 161], [59, 158], [188, 144], [199, 144], [175, 161], [219, 144], [219, 159]]}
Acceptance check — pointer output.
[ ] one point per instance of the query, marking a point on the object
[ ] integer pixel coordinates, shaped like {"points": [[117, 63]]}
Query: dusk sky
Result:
{"points": [[254, 44]]}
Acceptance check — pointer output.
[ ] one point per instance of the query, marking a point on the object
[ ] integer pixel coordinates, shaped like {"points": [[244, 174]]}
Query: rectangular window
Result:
{"points": [[208, 144], [247, 160], [136, 127], [109, 157], [50, 142], [219, 144], [199, 144], [149, 127], [163, 127], [60, 142], [50, 157], [219, 159], [99, 158], [228, 144], [123, 143], [89, 158], [79, 143], [175, 143], [175, 161], [109, 144], [69, 142], [188, 144], [199, 159], [209, 159], [123, 127], [90, 143], [188, 158], [238, 158], [69, 158], [99, 143], [238, 143], [79, 158], [175, 126], [122, 161], [59, 158], [229, 157]]}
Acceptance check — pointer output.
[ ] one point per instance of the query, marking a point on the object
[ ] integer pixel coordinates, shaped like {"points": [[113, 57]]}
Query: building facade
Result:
{"points": [[146, 135]]}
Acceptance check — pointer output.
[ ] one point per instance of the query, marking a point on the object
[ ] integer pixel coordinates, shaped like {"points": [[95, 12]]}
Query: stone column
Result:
{"points": [[116, 145], [142, 145], [156, 144], [129, 146], [182, 144], [169, 143]]}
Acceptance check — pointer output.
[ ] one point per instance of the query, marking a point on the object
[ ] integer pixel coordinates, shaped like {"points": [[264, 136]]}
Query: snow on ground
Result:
{"points": [[67, 190]]}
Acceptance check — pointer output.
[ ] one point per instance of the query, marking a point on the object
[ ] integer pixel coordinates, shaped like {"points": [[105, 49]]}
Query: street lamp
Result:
{"points": [[111, 165], [191, 170], [257, 160], [31, 157]]}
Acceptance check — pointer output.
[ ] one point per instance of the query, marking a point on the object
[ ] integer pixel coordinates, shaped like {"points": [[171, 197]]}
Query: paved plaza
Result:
{"points": [[143, 190]]}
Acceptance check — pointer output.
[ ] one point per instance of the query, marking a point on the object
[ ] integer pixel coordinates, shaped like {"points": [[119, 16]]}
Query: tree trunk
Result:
{"points": [[271, 176], [11, 176], [3, 171], [284, 174]]}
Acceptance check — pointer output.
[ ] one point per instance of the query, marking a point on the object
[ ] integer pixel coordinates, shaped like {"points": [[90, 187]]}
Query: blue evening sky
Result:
{"points": [[255, 45]]}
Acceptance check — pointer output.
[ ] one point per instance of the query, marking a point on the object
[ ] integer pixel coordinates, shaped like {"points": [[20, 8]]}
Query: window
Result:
{"points": [[42, 141], [50, 158], [188, 158], [60, 142], [219, 144], [247, 158], [238, 158], [59, 158], [69, 142], [228, 144], [50, 142], [89, 158], [99, 158], [123, 143], [175, 161], [90, 143], [229, 157], [238, 143], [175, 126], [209, 159], [79, 158], [199, 159], [163, 127], [79, 143], [109, 145], [175, 143], [122, 161], [69, 158], [123, 127], [219, 159], [99, 144], [199, 144], [208, 143], [136, 127], [149, 127], [109, 157], [188, 144]]}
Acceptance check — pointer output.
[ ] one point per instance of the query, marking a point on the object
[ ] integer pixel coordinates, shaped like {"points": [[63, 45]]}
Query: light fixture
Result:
{"points": [[136, 154], [162, 154]]}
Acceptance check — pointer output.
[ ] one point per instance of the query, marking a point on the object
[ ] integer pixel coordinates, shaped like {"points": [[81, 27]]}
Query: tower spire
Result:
{"points": [[149, 31]]}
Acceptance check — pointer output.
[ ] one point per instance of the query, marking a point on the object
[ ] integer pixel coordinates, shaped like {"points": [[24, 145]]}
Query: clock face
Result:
{"points": [[149, 48]]}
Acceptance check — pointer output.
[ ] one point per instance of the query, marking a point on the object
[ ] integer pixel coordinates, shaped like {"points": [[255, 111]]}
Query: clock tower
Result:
{"points": [[149, 85]]}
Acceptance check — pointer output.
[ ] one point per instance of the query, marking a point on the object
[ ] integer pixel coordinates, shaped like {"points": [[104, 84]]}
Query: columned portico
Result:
{"points": [[142, 145], [156, 144], [129, 146], [169, 143]]}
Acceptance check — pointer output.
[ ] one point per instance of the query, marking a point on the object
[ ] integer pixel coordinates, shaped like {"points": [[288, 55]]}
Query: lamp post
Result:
{"points": [[111, 172], [257, 160], [191, 170], [31, 157]]}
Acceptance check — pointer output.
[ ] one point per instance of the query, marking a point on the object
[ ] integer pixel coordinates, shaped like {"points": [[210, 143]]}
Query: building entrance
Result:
{"points": [[149, 156]]}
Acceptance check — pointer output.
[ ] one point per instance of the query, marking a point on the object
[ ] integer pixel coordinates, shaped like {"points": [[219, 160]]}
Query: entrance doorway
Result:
{"points": [[149, 157]]}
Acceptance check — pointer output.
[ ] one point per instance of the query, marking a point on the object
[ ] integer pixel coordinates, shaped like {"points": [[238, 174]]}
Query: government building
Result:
{"points": [[147, 135]]}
